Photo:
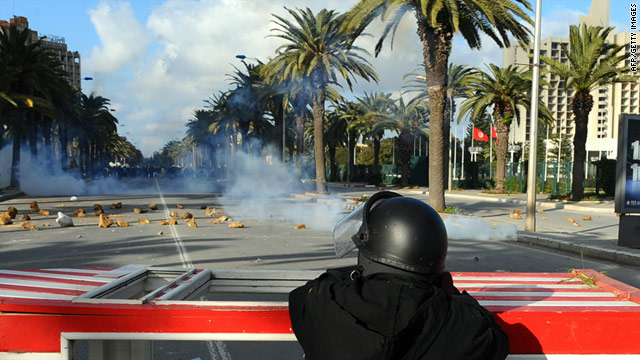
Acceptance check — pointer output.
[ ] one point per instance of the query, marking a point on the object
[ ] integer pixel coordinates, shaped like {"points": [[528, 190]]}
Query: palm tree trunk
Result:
{"points": [[405, 143], [581, 106], [436, 43], [318, 138], [445, 136], [64, 141], [376, 160], [352, 146], [15, 159], [502, 130], [299, 137]]}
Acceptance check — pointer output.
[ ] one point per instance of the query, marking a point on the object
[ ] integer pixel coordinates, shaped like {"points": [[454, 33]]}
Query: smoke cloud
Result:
{"points": [[265, 192], [474, 228]]}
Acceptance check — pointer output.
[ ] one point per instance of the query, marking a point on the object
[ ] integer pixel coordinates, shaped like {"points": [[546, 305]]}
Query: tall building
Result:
{"points": [[56, 44], [609, 101]]}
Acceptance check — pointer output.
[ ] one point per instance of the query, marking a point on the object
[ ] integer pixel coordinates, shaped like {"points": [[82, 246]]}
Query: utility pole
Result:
{"points": [[530, 220]]}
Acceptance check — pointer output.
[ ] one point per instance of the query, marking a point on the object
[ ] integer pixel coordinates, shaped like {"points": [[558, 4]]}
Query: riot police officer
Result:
{"points": [[398, 302]]}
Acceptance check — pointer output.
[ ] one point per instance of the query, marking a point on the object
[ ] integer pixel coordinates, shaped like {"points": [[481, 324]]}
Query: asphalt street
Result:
{"points": [[269, 240]]}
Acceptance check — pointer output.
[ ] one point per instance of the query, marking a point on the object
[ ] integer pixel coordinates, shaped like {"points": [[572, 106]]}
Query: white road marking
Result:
{"points": [[215, 347]]}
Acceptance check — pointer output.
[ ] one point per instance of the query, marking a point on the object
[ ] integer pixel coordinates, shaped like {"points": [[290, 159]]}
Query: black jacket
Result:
{"points": [[390, 317]]}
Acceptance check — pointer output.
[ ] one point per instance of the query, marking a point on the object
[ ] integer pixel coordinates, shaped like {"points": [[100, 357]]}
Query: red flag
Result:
{"points": [[479, 135], [493, 133]]}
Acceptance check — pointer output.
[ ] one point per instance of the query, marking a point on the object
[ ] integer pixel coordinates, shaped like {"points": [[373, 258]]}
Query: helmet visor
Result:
{"points": [[344, 231]]}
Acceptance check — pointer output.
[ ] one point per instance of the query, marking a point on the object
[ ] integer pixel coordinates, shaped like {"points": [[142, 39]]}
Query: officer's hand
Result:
{"points": [[446, 284]]}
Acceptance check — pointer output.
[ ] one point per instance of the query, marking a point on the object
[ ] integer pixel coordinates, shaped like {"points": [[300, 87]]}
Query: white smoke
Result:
{"points": [[44, 177], [465, 227], [266, 192]]}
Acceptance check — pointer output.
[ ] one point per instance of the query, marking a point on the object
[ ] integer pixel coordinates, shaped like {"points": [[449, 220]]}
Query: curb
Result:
{"points": [[539, 204], [5, 197], [617, 256], [368, 186]]}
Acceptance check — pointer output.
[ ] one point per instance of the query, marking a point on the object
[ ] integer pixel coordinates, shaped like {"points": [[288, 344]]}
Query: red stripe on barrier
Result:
{"points": [[534, 290], [59, 272], [616, 287], [559, 276]]}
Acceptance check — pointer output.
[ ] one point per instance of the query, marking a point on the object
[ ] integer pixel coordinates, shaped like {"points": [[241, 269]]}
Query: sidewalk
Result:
{"points": [[9, 193], [579, 243]]}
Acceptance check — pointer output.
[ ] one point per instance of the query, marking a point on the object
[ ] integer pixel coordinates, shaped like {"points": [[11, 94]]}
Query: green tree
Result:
{"points": [[377, 118], [411, 121], [319, 51], [506, 91], [438, 21], [29, 75], [593, 62]]}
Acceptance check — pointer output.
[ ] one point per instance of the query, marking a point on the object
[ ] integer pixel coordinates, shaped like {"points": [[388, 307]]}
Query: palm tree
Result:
{"points": [[377, 118], [318, 50], [411, 121], [456, 89], [593, 63], [350, 111], [28, 76], [98, 130], [438, 21], [506, 91]]}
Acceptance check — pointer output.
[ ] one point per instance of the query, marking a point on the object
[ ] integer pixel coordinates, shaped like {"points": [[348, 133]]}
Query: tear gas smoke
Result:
{"points": [[44, 177], [261, 191], [474, 228]]}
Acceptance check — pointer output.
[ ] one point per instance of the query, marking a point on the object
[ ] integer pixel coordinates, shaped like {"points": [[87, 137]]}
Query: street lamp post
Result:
{"points": [[530, 220]]}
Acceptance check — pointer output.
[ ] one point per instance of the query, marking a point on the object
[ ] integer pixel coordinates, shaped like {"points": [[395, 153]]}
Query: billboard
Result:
{"points": [[628, 170]]}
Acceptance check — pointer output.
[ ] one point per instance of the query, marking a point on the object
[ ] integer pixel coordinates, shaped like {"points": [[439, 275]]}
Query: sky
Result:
{"points": [[158, 60]]}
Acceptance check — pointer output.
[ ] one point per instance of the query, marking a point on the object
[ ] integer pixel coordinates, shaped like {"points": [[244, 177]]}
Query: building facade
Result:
{"points": [[70, 60], [609, 101]]}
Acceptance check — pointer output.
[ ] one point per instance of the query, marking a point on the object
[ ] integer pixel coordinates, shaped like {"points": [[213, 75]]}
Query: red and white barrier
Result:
{"points": [[558, 314]]}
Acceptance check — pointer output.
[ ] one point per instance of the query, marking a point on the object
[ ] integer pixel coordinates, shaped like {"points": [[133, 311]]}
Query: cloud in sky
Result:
{"points": [[157, 70]]}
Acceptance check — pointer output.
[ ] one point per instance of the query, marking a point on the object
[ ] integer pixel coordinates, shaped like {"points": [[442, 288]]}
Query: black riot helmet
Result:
{"points": [[401, 233]]}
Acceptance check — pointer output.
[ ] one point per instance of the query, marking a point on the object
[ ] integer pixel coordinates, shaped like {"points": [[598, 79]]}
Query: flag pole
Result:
{"points": [[530, 220]]}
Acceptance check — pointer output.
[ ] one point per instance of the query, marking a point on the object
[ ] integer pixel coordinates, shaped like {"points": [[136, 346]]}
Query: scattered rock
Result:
{"points": [[186, 215], [143, 221], [540, 211], [34, 206], [117, 205], [79, 236], [5, 219], [78, 211], [122, 223], [203, 207], [236, 225], [105, 222], [153, 206], [97, 206], [61, 204], [576, 224], [44, 212], [139, 211], [25, 217], [476, 259], [64, 220], [516, 214], [73, 198], [174, 214], [160, 232], [169, 222], [213, 212], [586, 218], [99, 212], [81, 214], [13, 211], [179, 206], [571, 220], [544, 218], [300, 227], [29, 225], [192, 223]]}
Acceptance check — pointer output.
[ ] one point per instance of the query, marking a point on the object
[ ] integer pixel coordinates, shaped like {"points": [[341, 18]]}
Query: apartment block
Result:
{"points": [[56, 44], [609, 101]]}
